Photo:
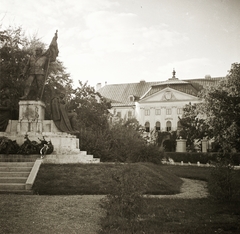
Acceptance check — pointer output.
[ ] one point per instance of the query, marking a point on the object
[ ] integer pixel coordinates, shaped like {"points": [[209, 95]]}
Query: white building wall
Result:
{"points": [[163, 117], [155, 102]]}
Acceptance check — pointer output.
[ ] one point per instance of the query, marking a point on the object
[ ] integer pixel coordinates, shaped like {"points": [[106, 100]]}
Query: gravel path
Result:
{"points": [[190, 189]]}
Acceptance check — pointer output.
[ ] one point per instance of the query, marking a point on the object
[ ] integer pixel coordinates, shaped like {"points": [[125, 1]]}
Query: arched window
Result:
{"points": [[158, 126], [147, 127], [168, 126], [179, 126]]}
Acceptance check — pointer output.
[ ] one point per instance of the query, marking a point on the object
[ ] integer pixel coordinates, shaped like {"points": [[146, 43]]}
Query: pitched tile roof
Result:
{"points": [[119, 94]]}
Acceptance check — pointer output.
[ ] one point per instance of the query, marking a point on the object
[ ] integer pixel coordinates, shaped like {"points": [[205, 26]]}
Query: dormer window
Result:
{"points": [[131, 98]]}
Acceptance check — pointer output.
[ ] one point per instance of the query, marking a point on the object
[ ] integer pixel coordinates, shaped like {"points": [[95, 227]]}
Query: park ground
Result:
{"points": [[185, 208]]}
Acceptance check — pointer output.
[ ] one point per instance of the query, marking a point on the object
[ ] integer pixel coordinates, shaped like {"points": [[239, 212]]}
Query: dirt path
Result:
{"points": [[190, 189]]}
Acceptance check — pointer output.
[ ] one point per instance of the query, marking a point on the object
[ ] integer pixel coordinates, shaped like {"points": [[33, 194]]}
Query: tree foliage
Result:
{"points": [[91, 107], [218, 116], [193, 124], [12, 61], [222, 108]]}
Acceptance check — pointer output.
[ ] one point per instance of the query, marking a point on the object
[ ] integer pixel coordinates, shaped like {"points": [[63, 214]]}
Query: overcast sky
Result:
{"points": [[122, 41]]}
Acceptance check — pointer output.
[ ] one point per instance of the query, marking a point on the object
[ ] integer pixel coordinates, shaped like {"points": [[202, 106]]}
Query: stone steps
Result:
{"points": [[81, 157], [12, 186], [18, 172], [12, 180], [18, 158], [14, 175]]}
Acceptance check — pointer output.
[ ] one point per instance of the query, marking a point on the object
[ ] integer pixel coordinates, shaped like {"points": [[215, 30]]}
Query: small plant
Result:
{"points": [[125, 202]]}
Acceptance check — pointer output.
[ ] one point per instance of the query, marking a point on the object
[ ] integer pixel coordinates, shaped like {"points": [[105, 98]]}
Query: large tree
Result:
{"points": [[193, 122], [12, 61], [222, 108]]}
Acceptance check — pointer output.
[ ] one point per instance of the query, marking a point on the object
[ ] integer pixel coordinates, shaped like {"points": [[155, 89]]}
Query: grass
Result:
{"points": [[78, 179], [190, 172], [25, 214], [82, 214], [179, 216]]}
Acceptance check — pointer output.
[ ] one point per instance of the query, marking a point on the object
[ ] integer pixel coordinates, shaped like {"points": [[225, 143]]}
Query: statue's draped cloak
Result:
{"points": [[59, 116]]}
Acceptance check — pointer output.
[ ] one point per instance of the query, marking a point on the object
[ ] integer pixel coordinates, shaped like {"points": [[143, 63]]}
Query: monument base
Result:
{"points": [[31, 123], [63, 143]]}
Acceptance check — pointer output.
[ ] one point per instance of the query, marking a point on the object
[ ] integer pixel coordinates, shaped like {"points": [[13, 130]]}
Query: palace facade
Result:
{"points": [[156, 105]]}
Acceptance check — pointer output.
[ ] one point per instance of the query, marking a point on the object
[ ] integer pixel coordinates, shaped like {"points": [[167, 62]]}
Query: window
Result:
{"points": [[168, 126], [168, 111], [179, 111], [179, 126], [131, 98], [147, 127], [158, 126], [129, 114], [158, 112], [147, 112], [119, 114]]}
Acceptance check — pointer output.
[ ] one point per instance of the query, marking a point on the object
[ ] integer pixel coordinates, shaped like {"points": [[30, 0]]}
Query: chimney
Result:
{"points": [[98, 86]]}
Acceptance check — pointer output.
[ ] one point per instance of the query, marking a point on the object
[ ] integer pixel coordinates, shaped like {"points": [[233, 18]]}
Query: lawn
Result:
{"points": [[190, 216], [83, 214], [190, 172], [78, 179], [177, 215]]}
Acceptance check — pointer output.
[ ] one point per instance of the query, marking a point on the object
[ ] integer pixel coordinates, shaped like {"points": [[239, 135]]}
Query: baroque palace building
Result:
{"points": [[156, 105]]}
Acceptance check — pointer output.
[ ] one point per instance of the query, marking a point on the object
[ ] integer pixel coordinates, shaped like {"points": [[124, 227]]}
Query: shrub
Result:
{"points": [[95, 143], [125, 203], [148, 153], [223, 184]]}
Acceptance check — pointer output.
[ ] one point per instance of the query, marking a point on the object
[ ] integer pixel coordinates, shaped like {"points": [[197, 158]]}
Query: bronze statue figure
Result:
{"points": [[64, 119], [37, 67]]}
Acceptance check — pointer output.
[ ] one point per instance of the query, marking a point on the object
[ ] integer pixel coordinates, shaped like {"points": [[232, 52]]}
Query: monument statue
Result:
{"points": [[5, 109], [37, 67], [64, 119]]}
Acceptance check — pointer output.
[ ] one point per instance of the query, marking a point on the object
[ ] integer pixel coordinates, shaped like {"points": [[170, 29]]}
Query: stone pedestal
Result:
{"points": [[181, 145], [204, 145], [31, 123], [31, 116]]}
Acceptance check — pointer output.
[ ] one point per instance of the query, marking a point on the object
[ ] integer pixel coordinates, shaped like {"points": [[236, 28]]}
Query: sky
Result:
{"points": [[126, 41]]}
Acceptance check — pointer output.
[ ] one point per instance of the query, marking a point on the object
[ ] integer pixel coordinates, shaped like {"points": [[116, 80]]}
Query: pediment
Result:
{"points": [[168, 95]]}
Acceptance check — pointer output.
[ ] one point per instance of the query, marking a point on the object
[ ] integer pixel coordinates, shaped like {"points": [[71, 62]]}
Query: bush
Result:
{"points": [[120, 143], [223, 184], [95, 143], [148, 153], [125, 202]]}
